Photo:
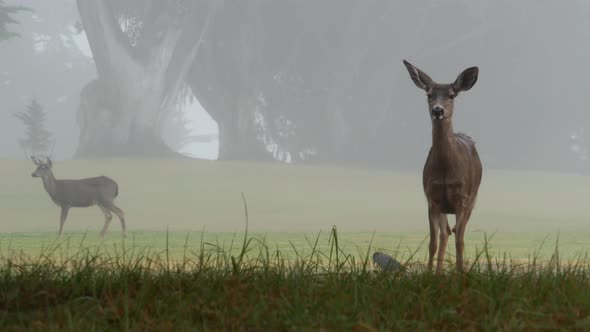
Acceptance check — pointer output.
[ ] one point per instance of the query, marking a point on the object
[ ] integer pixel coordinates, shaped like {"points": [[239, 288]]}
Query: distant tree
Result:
{"points": [[48, 46], [6, 13], [142, 51], [323, 81], [38, 138]]}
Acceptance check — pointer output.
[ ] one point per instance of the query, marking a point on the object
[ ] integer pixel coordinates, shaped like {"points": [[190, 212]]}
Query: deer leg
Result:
{"points": [[121, 216], [442, 246], [433, 218], [62, 218], [107, 220], [461, 222]]}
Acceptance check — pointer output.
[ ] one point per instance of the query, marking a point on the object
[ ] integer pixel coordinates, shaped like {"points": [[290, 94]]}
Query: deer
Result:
{"points": [[66, 194], [452, 173]]}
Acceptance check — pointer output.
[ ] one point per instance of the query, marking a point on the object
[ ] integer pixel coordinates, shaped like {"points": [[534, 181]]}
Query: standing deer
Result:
{"points": [[100, 190], [452, 173]]}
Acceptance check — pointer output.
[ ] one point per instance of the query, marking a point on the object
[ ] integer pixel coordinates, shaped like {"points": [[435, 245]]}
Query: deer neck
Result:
{"points": [[443, 141], [50, 185]]}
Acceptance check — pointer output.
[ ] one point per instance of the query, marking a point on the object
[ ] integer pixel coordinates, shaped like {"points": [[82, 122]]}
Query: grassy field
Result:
{"points": [[287, 203], [186, 230]]}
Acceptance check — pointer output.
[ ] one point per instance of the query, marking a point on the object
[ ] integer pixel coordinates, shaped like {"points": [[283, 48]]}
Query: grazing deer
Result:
{"points": [[452, 173], [67, 194]]}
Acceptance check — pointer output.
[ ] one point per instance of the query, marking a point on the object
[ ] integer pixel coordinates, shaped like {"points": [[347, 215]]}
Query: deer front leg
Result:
{"points": [[462, 217], [445, 231], [433, 218], [62, 218]]}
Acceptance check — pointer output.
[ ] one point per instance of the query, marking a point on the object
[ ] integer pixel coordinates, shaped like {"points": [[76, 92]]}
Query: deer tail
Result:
{"points": [[116, 189]]}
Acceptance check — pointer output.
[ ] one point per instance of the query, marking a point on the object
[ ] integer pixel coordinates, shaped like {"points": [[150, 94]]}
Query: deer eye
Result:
{"points": [[429, 95]]}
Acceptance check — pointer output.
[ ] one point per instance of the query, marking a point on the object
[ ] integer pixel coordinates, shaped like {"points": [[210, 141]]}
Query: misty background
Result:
{"points": [[298, 81]]}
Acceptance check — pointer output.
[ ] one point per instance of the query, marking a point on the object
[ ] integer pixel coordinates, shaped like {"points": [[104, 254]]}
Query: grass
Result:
{"points": [[287, 203], [518, 246], [256, 288], [192, 195], [187, 266]]}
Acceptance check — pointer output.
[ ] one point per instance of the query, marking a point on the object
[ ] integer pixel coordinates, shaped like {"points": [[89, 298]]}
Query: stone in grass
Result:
{"points": [[386, 262]]}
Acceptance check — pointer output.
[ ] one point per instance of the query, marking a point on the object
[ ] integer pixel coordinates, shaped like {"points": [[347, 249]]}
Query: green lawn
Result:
{"points": [[289, 203]]}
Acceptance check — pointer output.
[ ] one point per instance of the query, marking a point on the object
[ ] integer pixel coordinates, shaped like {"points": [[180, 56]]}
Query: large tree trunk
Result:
{"points": [[235, 117], [238, 143], [122, 125], [241, 133], [225, 78], [121, 110]]}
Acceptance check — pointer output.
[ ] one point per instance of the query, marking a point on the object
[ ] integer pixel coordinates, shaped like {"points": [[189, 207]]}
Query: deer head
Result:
{"points": [[441, 96], [43, 168]]}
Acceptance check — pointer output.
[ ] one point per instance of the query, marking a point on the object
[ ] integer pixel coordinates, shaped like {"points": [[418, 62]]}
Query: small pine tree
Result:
{"points": [[6, 18], [38, 138]]}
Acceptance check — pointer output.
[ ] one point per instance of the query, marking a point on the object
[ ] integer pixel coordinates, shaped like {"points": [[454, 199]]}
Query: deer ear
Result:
{"points": [[35, 160], [49, 162], [420, 78], [466, 80]]}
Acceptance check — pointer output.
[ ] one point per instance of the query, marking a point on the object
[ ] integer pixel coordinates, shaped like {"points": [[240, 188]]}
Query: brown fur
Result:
{"points": [[100, 190], [452, 173]]}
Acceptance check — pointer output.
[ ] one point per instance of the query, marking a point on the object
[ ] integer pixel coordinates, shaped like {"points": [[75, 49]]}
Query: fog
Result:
{"points": [[297, 82], [309, 82]]}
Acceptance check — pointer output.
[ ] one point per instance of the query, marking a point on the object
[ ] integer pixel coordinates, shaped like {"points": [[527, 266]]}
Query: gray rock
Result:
{"points": [[386, 262]]}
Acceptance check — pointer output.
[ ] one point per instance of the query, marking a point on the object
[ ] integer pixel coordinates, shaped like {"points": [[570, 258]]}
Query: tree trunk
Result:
{"points": [[225, 78], [233, 111], [119, 126], [235, 117], [120, 111]]}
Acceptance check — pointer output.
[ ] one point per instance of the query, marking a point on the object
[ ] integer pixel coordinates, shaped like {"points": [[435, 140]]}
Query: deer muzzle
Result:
{"points": [[437, 112]]}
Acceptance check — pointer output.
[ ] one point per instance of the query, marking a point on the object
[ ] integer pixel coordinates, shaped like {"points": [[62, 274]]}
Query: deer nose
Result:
{"points": [[438, 112]]}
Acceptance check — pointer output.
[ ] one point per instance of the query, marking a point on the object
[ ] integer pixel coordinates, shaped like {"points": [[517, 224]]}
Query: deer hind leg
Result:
{"points": [[433, 218], [107, 220], [121, 216], [62, 219], [443, 240], [462, 217]]}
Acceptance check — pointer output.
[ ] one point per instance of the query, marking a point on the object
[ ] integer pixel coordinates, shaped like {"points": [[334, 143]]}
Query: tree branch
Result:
{"points": [[182, 60], [109, 49]]}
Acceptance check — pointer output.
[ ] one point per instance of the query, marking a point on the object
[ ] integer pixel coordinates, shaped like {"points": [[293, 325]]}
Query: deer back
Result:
{"points": [[86, 192]]}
